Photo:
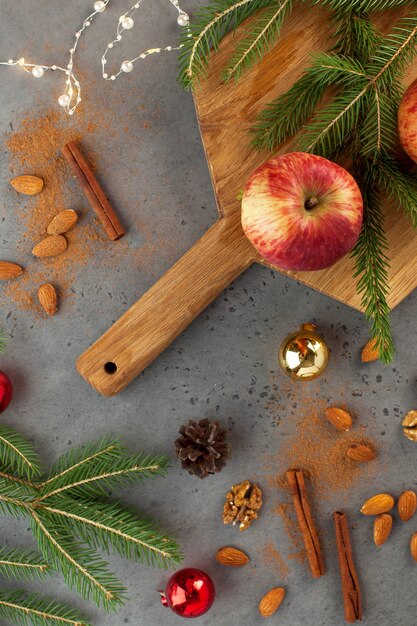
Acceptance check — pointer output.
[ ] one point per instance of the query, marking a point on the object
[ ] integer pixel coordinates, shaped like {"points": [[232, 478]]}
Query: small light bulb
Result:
{"points": [[38, 71], [127, 23], [64, 100], [183, 19], [127, 66], [99, 6]]}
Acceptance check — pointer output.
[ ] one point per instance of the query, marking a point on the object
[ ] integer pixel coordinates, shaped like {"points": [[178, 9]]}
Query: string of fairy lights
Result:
{"points": [[71, 96]]}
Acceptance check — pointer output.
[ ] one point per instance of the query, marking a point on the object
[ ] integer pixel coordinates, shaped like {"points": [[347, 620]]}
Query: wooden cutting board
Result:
{"points": [[225, 114]]}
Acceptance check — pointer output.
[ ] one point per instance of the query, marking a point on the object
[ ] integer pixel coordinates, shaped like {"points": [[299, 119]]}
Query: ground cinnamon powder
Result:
{"points": [[33, 148], [306, 440], [275, 560], [313, 444]]}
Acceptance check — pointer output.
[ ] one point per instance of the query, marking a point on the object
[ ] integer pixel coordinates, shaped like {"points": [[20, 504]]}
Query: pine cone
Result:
{"points": [[202, 447]]}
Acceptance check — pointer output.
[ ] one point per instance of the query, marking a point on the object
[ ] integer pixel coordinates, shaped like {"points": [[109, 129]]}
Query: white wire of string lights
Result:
{"points": [[71, 97]]}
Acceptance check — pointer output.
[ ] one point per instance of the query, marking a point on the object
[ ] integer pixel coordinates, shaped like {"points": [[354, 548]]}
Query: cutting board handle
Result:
{"points": [[161, 314]]}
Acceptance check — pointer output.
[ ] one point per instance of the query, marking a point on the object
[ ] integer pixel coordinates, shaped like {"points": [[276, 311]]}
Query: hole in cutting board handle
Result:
{"points": [[110, 367]]}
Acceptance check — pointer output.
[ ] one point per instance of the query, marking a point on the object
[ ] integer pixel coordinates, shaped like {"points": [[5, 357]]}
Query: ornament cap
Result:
{"points": [[304, 355]]}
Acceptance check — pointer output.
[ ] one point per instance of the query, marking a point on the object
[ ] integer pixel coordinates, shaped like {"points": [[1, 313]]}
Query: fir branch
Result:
{"points": [[379, 128], [9, 476], [69, 528], [363, 5], [95, 477], [400, 186], [33, 610], [285, 116], [15, 498], [3, 340], [111, 526], [396, 52], [331, 126], [258, 39], [82, 567], [210, 24], [21, 564], [16, 452], [371, 264], [95, 456], [356, 35]]}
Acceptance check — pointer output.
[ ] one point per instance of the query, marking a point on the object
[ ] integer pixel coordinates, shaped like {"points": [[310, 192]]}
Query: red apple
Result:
{"points": [[407, 121], [6, 391], [301, 211]]}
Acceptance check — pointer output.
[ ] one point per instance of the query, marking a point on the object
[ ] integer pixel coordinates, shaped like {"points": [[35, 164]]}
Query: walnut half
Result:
{"points": [[242, 504]]}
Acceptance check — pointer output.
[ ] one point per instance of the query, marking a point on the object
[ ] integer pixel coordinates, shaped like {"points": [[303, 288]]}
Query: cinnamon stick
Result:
{"points": [[93, 192], [296, 482], [352, 599]]}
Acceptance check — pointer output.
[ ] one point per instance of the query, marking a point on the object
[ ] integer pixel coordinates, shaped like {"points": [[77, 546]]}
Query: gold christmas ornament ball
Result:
{"points": [[304, 355]]}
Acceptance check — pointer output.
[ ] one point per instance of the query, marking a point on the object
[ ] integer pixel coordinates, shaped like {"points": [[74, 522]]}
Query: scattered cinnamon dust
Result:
{"points": [[273, 558], [314, 445], [34, 148], [310, 442]]}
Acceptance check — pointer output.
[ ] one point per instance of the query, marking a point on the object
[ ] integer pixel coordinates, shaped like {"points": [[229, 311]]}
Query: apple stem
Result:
{"points": [[311, 203]]}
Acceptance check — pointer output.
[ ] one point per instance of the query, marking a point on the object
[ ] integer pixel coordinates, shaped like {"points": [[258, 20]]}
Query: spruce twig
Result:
{"points": [[258, 39], [21, 564], [24, 609], [3, 340], [73, 516]]}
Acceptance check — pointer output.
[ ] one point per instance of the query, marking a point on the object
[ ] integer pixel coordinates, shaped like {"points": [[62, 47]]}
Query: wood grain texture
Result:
{"points": [[226, 113], [151, 324]]}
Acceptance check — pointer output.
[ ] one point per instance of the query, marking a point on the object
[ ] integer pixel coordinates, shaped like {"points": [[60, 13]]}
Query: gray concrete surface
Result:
{"points": [[223, 366]]}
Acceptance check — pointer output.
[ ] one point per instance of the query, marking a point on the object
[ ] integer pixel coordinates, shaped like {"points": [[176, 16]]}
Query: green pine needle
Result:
{"points": [[209, 25], [17, 453], [72, 516], [370, 254], [24, 609], [3, 340], [399, 186], [82, 568], [259, 37], [103, 472], [18, 564], [111, 527]]}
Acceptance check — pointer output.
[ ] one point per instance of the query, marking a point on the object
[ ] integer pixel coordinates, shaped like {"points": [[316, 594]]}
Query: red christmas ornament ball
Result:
{"points": [[6, 391], [189, 592]]}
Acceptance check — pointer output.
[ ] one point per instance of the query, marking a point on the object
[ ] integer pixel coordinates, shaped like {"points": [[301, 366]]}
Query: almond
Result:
{"points": [[370, 351], [271, 601], [340, 418], [382, 528], [231, 557], [360, 453], [407, 505], [410, 425], [48, 298], [62, 222], [50, 246], [9, 270], [29, 185], [413, 546], [381, 503]]}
